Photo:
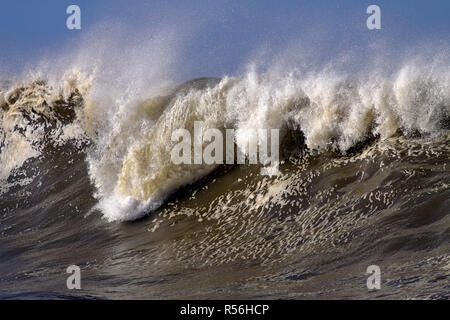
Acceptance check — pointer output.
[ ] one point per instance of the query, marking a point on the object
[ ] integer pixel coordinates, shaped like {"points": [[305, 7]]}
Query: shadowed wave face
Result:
{"points": [[364, 180]]}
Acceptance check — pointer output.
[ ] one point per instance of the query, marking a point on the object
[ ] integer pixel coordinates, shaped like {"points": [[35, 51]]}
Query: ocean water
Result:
{"points": [[364, 179]]}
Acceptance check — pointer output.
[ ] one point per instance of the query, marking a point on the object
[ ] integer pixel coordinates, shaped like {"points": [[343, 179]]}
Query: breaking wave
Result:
{"points": [[126, 137]]}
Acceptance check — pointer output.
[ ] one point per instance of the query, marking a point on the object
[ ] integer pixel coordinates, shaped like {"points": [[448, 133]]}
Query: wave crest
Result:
{"points": [[129, 158]]}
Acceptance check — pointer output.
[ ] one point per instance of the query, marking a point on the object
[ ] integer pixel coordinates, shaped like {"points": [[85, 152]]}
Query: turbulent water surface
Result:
{"points": [[86, 179]]}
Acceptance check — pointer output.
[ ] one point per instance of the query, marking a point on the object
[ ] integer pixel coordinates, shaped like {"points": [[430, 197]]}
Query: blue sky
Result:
{"points": [[222, 35]]}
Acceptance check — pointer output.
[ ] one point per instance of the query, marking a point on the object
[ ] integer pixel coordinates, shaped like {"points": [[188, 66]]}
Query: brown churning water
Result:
{"points": [[363, 179]]}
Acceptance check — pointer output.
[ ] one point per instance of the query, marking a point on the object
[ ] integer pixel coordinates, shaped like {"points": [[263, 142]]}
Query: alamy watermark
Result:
{"points": [[374, 280], [73, 22], [207, 147], [74, 280], [374, 20]]}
